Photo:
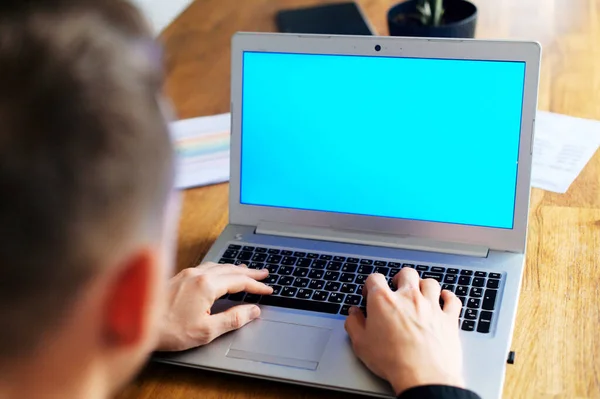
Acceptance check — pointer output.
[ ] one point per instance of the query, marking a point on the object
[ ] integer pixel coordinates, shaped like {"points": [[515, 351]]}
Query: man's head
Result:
{"points": [[85, 172]]}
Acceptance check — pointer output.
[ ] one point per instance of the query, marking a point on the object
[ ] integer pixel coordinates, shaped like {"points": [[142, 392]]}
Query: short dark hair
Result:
{"points": [[85, 157]]}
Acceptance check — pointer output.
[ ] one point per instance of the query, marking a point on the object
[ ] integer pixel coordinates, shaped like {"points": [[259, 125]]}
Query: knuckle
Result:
{"points": [[202, 282], [189, 272], [236, 321]]}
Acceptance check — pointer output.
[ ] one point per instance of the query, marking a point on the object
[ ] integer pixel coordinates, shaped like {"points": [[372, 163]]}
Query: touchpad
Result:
{"points": [[286, 344]]}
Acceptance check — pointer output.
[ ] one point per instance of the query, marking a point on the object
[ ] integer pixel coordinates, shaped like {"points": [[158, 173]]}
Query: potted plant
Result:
{"points": [[433, 18]]}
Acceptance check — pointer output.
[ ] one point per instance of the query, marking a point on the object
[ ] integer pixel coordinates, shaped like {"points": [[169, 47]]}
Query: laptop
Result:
{"points": [[355, 154]]}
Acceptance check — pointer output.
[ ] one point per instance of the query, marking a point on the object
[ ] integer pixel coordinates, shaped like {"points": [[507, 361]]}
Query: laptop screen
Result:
{"points": [[412, 138]]}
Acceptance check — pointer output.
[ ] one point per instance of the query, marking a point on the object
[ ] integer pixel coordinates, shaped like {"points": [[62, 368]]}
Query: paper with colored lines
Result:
{"points": [[202, 147]]}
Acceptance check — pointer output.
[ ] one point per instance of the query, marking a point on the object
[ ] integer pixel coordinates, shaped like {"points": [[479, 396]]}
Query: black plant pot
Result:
{"points": [[459, 20]]}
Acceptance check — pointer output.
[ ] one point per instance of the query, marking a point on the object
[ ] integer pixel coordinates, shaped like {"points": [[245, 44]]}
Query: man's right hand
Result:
{"points": [[407, 339]]}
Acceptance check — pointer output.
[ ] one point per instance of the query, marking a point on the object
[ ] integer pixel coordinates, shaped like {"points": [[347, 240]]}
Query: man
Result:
{"points": [[88, 215]]}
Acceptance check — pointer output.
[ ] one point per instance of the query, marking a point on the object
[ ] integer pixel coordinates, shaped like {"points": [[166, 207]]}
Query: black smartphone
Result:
{"points": [[330, 19]]}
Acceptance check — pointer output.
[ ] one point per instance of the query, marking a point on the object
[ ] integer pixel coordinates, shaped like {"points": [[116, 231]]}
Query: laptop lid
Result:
{"points": [[429, 138]]}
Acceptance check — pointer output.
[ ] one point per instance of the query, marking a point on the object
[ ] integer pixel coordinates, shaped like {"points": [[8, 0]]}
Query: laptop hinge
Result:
{"points": [[370, 238]]}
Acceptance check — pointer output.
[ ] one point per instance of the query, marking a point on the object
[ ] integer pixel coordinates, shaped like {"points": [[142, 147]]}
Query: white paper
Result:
{"points": [[562, 147], [202, 146]]}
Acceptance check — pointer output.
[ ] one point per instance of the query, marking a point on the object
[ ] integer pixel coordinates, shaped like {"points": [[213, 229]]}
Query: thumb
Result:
{"points": [[234, 318], [355, 324]]}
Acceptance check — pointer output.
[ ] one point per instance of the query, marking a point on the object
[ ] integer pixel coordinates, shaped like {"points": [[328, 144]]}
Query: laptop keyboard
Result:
{"points": [[330, 283]]}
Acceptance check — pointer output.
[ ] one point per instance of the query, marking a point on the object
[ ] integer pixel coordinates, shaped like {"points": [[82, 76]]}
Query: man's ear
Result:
{"points": [[128, 300]]}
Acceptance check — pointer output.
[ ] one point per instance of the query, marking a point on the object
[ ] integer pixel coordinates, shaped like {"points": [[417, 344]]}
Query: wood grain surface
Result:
{"points": [[557, 337]]}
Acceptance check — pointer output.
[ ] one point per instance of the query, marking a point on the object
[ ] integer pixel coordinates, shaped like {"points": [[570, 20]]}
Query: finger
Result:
{"points": [[376, 285], [430, 289], [241, 269], [212, 265], [232, 319], [234, 283], [407, 280], [355, 324], [452, 304]]}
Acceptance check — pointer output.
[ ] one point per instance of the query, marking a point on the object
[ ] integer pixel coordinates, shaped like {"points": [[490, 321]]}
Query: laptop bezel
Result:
{"points": [[512, 240]]}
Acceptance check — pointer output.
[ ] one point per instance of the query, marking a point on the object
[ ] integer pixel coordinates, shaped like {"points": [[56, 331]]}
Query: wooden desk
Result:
{"points": [[557, 337]]}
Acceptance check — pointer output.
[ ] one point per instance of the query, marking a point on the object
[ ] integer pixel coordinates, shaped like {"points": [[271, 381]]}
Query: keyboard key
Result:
{"points": [[247, 248], [300, 254], [320, 295], [349, 267], [224, 261], [234, 246], [261, 250], [312, 256], [314, 273], [484, 326], [301, 282], [331, 276], [489, 299], [272, 268], [495, 275], [462, 290], [478, 282], [256, 265], [476, 292], [304, 262], [301, 272], [485, 315], [245, 255], [230, 253], [360, 279], [380, 263], [471, 314], [391, 284], [463, 299], [304, 293], [422, 268], [316, 284], [365, 269], [366, 262], [319, 264], [273, 251], [436, 276], [333, 286], [347, 277], [382, 270], [353, 300], [336, 297], [289, 260], [345, 310], [438, 269], [348, 288], [271, 279], [339, 258], [480, 274], [289, 291], [450, 279], [409, 265], [397, 265], [393, 272], [452, 271], [285, 270], [466, 272], [276, 289], [285, 252], [449, 287], [238, 262], [464, 280], [252, 298], [352, 260], [274, 259], [293, 303], [285, 280], [474, 303], [468, 325], [325, 257], [333, 265], [493, 283], [237, 296]]}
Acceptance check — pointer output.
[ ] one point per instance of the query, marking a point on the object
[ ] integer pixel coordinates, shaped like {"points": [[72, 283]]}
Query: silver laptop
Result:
{"points": [[353, 155]]}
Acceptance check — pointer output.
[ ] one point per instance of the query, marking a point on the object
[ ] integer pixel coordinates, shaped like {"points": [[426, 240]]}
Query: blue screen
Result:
{"points": [[424, 139]]}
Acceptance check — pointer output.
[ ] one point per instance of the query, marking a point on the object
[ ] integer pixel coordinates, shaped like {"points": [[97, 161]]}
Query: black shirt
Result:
{"points": [[438, 392]]}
